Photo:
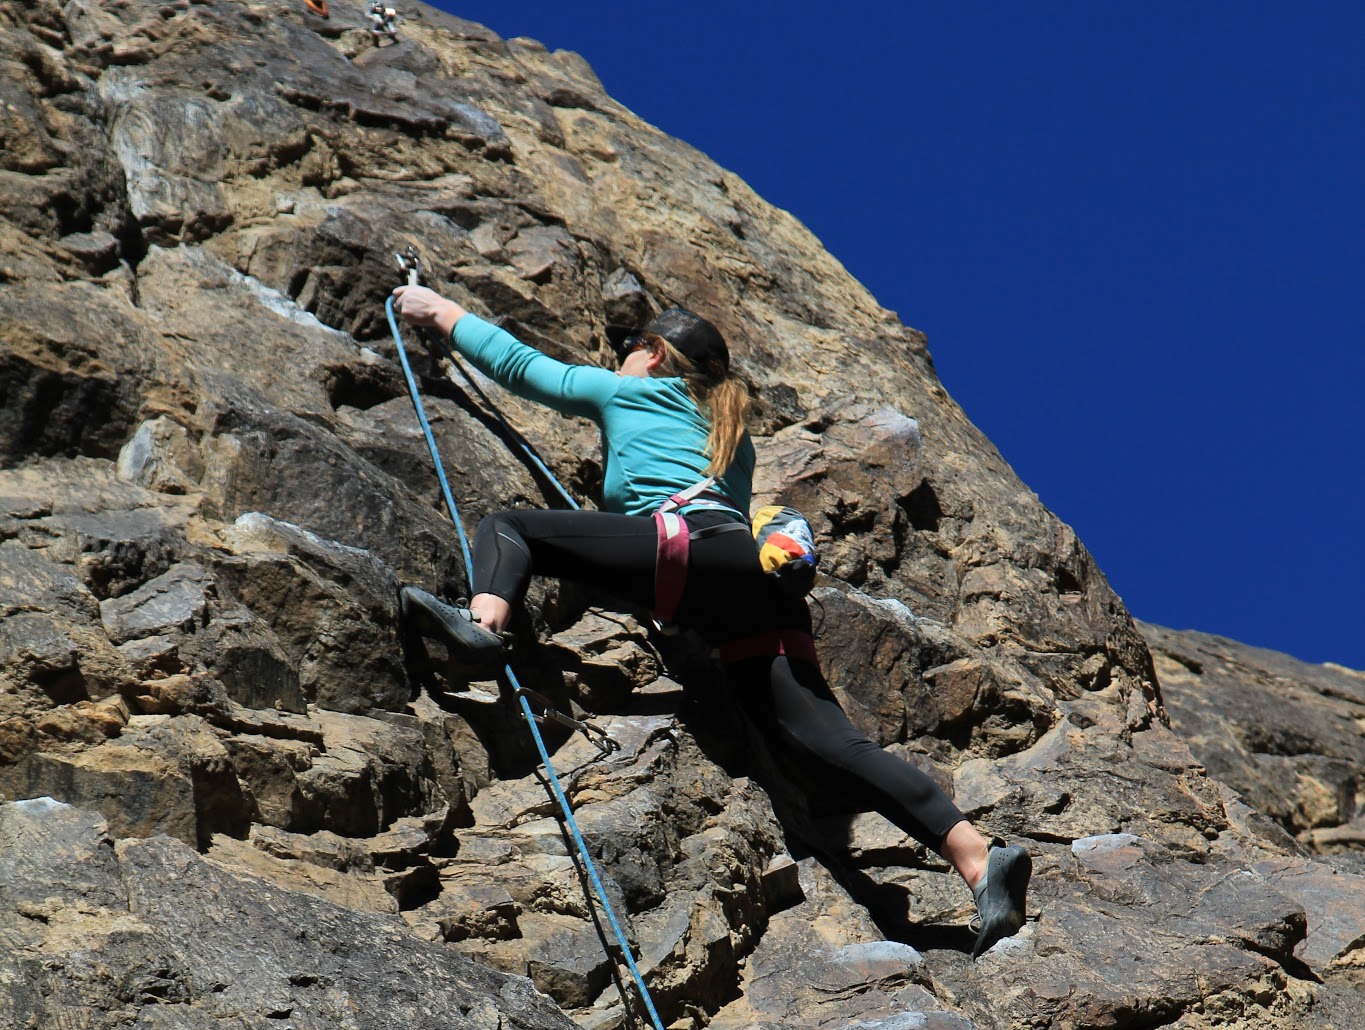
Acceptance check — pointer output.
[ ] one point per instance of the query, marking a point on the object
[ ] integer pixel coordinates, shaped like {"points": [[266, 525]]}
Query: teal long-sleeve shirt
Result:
{"points": [[653, 435]]}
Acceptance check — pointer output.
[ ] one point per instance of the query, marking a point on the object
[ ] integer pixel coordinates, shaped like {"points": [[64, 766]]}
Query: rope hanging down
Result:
{"points": [[512, 433], [408, 264]]}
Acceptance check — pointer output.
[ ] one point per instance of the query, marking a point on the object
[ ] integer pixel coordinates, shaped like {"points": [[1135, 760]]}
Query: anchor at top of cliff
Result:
{"points": [[383, 22]]}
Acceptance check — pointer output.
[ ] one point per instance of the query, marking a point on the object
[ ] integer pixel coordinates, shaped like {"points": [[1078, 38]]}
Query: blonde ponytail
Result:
{"points": [[721, 396], [728, 405]]}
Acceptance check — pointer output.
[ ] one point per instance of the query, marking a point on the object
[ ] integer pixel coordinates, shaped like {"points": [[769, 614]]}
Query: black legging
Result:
{"points": [[727, 597]]}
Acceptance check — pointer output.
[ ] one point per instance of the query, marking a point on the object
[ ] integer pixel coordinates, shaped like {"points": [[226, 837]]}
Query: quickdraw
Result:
{"points": [[318, 7], [598, 737], [410, 264]]}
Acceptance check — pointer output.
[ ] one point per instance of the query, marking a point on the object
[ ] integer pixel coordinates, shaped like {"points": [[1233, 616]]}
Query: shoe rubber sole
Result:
{"points": [[1007, 877], [467, 640]]}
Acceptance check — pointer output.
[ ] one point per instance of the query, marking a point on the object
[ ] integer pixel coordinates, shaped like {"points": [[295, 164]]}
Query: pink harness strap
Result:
{"points": [[670, 565], [791, 643]]}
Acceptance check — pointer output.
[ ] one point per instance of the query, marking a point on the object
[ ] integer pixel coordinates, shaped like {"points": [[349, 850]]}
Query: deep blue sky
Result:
{"points": [[1134, 234]]}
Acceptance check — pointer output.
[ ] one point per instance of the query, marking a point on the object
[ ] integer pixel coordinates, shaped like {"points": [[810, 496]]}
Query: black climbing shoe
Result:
{"points": [[1000, 895], [458, 627]]}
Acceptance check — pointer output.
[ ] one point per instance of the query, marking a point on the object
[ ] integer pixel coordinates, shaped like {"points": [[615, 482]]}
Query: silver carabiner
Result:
{"points": [[597, 736], [409, 263]]}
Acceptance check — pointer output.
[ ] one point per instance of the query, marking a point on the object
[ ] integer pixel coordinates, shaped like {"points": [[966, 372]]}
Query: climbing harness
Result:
{"points": [[786, 551], [670, 564], [409, 264], [788, 642], [675, 545]]}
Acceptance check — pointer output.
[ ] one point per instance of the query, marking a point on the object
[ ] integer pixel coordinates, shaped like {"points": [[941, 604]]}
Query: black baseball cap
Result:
{"points": [[694, 337]]}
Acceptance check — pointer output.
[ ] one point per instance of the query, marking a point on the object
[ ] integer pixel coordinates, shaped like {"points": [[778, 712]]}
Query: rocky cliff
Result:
{"points": [[233, 799]]}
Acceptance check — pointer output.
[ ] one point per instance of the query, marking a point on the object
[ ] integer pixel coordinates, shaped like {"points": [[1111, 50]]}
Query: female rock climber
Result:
{"points": [[672, 416]]}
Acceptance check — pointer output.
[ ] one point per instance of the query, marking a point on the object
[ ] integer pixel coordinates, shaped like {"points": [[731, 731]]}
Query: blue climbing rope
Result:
{"points": [[507, 670], [431, 440]]}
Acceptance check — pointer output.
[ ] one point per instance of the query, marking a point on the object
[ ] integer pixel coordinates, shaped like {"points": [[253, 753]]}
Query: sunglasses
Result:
{"points": [[628, 345]]}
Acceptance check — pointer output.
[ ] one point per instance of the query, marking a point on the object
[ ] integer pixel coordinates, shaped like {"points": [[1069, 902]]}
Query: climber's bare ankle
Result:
{"points": [[493, 612]]}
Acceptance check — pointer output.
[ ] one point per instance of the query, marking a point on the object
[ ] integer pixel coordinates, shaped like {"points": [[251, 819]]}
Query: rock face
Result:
{"points": [[212, 483], [1284, 734], [148, 926]]}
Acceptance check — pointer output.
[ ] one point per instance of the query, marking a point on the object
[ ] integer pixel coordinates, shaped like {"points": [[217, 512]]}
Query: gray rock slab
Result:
{"points": [[177, 600], [48, 848], [1130, 928], [1283, 733], [184, 937], [1334, 902], [138, 790]]}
